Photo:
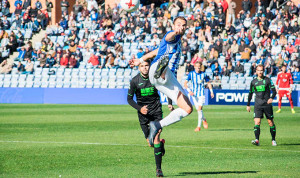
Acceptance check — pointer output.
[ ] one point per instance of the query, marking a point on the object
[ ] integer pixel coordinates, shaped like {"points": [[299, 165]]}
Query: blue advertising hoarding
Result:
{"points": [[240, 97], [116, 96]]}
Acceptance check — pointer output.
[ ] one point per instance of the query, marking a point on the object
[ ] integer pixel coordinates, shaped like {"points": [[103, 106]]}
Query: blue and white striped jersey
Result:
{"points": [[197, 80], [173, 49]]}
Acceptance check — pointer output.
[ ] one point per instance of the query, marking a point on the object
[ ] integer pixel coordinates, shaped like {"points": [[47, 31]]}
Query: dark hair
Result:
{"points": [[181, 18], [260, 65]]}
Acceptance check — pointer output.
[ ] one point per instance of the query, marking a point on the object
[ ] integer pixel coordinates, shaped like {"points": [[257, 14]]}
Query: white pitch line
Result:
{"points": [[117, 144]]}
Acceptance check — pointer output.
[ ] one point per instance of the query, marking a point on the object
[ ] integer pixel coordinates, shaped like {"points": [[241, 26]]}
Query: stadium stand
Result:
{"points": [[91, 48]]}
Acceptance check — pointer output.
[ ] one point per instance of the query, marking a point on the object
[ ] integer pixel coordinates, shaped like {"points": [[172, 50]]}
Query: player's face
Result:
{"points": [[260, 71], [144, 68], [180, 24], [197, 67], [283, 69]]}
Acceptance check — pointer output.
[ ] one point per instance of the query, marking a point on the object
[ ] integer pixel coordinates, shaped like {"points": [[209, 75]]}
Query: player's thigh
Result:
{"points": [[157, 116], [258, 112], [198, 102], [169, 86], [144, 123], [268, 110]]}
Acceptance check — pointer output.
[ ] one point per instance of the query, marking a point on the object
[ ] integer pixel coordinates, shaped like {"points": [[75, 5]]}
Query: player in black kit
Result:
{"points": [[149, 109], [262, 87]]}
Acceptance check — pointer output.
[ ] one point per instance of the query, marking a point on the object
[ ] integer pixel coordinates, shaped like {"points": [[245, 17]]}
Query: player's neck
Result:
{"points": [[260, 78], [144, 76]]}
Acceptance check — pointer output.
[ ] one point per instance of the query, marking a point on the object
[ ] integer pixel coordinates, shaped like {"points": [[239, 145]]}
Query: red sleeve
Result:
{"points": [[291, 79], [277, 80]]}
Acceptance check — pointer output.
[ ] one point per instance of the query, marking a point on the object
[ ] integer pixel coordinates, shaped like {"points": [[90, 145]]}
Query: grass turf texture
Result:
{"points": [[106, 141]]}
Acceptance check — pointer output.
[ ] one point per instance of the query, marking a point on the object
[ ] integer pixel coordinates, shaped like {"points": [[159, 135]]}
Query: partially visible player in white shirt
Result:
{"points": [[198, 79], [160, 75]]}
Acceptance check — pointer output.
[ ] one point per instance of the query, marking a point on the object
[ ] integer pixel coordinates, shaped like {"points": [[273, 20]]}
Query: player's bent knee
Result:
{"points": [[188, 109]]}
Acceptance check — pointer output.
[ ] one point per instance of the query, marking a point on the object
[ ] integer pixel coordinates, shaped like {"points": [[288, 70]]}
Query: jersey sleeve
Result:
{"points": [[272, 88], [251, 91], [130, 95], [177, 38], [277, 79], [291, 79], [189, 77], [206, 78]]}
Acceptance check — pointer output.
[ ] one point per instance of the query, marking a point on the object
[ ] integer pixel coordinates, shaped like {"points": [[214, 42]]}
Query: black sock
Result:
{"points": [[257, 131], [158, 152], [273, 132]]}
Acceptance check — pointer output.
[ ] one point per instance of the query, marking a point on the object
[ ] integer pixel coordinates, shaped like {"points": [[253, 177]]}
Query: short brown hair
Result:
{"points": [[260, 65], [179, 17], [198, 62]]}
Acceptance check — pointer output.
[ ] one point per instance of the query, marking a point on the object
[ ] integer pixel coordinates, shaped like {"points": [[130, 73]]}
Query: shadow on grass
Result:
{"points": [[218, 172], [288, 144], [226, 130]]}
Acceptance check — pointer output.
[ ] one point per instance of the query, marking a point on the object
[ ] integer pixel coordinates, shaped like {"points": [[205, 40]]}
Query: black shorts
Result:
{"points": [[259, 111], [145, 120]]}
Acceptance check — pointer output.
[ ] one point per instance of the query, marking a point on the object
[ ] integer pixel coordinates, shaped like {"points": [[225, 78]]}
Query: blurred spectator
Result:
{"points": [[268, 69], [217, 82], [140, 53], [296, 76], [72, 61], [94, 60], [28, 67], [64, 61], [5, 67], [186, 53], [38, 4], [229, 69], [20, 67], [50, 61], [5, 11], [189, 68], [216, 69], [64, 6], [123, 63], [26, 4], [42, 60], [238, 69], [231, 11], [49, 6], [21, 54]]}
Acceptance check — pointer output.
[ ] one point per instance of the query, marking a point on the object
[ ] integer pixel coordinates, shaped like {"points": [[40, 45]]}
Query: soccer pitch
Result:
{"points": [[106, 141]]}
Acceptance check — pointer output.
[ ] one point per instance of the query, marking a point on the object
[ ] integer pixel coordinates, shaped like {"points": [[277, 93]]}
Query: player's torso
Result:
{"points": [[284, 80], [173, 50], [197, 81], [146, 93], [262, 91]]}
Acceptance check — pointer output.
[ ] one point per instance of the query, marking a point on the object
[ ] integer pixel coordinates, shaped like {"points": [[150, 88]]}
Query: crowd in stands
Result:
{"points": [[227, 44]]}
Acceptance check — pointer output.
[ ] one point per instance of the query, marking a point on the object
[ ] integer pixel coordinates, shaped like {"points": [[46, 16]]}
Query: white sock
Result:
{"points": [[200, 117], [175, 116]]}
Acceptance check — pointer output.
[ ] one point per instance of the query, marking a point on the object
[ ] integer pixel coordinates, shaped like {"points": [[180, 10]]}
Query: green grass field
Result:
{"points": [[106, 141]]}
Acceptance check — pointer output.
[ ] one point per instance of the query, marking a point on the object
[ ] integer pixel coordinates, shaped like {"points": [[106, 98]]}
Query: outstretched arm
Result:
{"points": [[136, 62]]}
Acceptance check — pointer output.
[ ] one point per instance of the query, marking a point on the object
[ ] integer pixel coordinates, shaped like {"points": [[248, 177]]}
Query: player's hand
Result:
{"points": [[191, 93], [270, 101], [248, 108], [179, 31], [171, 108], [134, 62], [212, 95], [144, 110], [290, 90]]}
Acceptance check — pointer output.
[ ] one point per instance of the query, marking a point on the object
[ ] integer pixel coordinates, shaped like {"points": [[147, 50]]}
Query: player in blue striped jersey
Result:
{"points": [[198, 79], [166, 60]]}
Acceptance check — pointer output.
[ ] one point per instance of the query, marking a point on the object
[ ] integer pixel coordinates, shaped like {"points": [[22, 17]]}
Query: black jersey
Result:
{"points": [[262, 89], [146, 94]]}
